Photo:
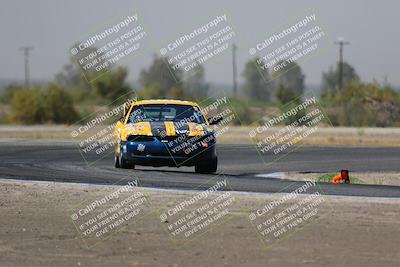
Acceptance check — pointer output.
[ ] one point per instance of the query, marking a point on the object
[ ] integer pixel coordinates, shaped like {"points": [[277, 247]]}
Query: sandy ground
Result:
{"points": [[36, 230], [377, 178], [234, 135]]}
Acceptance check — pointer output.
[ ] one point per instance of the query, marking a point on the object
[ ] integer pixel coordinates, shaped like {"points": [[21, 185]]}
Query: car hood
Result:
{"points": [[165, 128]]}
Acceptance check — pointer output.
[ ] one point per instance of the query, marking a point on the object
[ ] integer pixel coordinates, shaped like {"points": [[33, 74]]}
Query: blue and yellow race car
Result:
{"points": [[166, 133]]}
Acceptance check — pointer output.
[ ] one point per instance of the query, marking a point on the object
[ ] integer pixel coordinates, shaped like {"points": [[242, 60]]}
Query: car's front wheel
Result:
{"points": [[125, 164], [120, 162], [116, 162], [207, 167]]}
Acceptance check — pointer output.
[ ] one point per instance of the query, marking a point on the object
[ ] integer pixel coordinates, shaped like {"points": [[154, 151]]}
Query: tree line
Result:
{"points": [[70, 96]]}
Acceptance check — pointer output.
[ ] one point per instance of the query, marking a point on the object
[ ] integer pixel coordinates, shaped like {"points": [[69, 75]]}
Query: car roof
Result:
{"points": [[164, 101]]}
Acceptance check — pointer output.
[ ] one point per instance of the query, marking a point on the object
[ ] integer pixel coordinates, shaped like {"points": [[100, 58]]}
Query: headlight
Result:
{"points": [[134, 127]]}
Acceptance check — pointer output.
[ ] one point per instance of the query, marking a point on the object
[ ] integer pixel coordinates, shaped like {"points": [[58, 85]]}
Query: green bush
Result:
{"points": [[243, 113], [151, 92], [360, 105], [288, 100], [58, 105], [9, 92], [327, 178], [177, 92], [36, 106], [27, 106], [110, 85]]}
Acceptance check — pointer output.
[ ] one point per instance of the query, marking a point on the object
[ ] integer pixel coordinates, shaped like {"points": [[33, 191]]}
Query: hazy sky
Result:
{"points": [[372, 27]]}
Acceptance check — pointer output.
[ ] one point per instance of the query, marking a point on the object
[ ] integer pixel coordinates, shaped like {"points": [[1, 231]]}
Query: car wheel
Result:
{"points": [[125, 164], [207, 167], [116, 162]]}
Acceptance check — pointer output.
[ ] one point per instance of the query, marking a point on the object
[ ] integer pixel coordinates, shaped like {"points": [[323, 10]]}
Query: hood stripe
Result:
{"points": [[170, 128]]}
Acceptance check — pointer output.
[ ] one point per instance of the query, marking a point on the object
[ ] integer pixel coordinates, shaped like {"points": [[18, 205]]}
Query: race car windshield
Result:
{"points": [[165, 112]]}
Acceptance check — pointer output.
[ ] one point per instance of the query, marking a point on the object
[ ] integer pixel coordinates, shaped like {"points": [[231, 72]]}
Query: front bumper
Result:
{"points": [[157, 152]]}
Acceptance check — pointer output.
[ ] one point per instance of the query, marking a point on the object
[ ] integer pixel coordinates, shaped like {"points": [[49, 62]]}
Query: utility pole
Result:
{"points": [[26, 50], [341, 43], [234, 70]]}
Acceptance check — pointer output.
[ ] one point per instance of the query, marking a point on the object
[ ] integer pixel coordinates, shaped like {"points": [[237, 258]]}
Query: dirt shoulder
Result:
{"points": [[36, 230]]}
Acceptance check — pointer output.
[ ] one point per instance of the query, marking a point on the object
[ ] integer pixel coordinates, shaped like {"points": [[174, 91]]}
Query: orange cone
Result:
{"points": [[336, 179]]}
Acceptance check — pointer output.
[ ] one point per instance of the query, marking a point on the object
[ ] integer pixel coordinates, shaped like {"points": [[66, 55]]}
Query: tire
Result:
{"points": [[207, 167], [125, 164], [116, 162]]}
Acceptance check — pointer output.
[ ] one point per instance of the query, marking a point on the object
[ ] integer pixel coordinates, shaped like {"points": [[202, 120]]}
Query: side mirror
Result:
{"points": [[214, 120]]}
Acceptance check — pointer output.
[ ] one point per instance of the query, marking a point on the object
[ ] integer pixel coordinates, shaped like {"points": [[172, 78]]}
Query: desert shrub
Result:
{"points": [[36, 106], [150, 92], [8, 93], [243, 113], [27, 106], [58, 105], [288, 99], [360, 104]]}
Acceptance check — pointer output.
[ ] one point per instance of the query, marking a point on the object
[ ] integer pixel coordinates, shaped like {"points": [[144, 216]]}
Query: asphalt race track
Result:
{"points": [[62, 161]]}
